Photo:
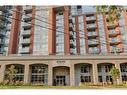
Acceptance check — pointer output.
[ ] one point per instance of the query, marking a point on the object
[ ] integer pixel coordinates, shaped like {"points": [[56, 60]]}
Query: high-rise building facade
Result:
{"points": [[61, 45]]}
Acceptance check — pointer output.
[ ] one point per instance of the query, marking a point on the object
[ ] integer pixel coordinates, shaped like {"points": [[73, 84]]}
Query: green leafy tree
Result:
{"points": [[11, 73], [115, 74], [113, 12]]}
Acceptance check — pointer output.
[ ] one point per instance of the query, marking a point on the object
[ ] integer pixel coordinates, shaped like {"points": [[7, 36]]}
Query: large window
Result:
{"points": [[85, 69], [19, 76], [39, 73], [85, 78]]}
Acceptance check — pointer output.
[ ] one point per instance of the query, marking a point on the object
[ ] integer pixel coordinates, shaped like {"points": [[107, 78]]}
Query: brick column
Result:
{"points": [[72, 75], [52, 31], [95, 73], [15, 29], [117, 65], [26, 74], [50, 75], [77, 35], [66, 31], [2, 72]]}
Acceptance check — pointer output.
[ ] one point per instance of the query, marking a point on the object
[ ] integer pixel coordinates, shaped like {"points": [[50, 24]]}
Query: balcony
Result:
{"points": [[2, 33], [71, 33], [94, 51], [91, 25], [27, 19], [92, 34], [113, 33], [1, 13], [72, 46], [71, 42], [25, 41], [111, 26], [71, 25], [116, 50], [2, 8], [71, 37], [24, 50], [79, 11], [27, 32], [70, 21], [9, 27], [1, 42], [114, 41], [28, 9], [90, 18], [2, 25], [28, 15], [92, 42], [26, 26], [71, 29]]}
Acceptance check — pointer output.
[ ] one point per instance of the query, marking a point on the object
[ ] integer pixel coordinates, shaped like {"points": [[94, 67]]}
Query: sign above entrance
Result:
{"points": [[60, 61]]}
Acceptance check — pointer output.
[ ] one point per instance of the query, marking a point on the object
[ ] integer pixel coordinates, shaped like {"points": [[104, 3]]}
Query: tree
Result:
{"points": [[113, 12], [11, 73], [115, 74]]}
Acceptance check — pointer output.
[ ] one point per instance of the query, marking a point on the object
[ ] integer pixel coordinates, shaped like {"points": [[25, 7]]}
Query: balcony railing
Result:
{"points": [[27, 7], [92, 33], [115, 40], [25, 41], [27, 32], [71, 25], [2, 33], [92, 42], [113, 32], [115, 50], [24, 50], [1, 14], [90, 18], [91, 25], [1, 41]]}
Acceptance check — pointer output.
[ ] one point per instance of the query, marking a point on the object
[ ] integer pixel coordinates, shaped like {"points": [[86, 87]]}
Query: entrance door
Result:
{"points": [[60, 80]]}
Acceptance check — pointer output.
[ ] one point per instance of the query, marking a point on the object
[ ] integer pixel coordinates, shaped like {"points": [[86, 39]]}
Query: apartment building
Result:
{"points": [[61, 45]]}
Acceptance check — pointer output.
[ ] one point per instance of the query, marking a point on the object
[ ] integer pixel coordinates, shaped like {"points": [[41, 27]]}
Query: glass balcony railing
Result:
{"points": [[91, 25], [24, 50], [94, 51], [115, 49], [90, 18], [27, 32], [1, 41], [1, 14], [92, 42], [27, 7], [25, 41], [92, 33], [115, 40], [112, 32]]}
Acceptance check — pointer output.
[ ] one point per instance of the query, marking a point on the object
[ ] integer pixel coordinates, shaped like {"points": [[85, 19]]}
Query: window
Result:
{"points": [[85, 69], [85, 78], [19, 76], [100, 79], [39, 73]]}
